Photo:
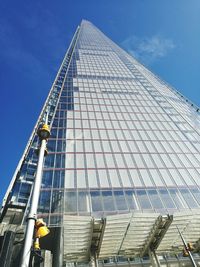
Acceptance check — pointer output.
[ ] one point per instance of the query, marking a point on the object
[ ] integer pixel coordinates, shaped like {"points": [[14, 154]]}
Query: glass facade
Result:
{"points": [[121, 139]]}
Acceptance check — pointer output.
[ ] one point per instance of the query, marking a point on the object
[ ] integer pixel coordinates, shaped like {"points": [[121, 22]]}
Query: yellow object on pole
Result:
{"points": [[185, 253], [190, 246], [44, 132], [41, 228], [37, 244], [42, 231]]}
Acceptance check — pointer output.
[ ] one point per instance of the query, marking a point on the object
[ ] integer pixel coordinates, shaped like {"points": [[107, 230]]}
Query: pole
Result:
{"points": [[187, 249], [154, 258], [33, 208]]}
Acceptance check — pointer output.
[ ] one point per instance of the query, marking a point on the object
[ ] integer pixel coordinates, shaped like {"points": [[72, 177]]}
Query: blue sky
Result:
{"points": [[34, 35]]}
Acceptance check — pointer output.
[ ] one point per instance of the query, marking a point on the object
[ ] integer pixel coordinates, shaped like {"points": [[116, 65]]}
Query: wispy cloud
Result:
{"points": [[148, 50]]}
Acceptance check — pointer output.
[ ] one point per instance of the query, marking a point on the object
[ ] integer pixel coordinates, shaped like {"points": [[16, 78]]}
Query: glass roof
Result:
{"points": [[129, 235]]}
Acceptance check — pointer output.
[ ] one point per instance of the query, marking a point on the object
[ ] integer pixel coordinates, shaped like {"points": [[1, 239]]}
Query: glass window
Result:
{"points": [[70, 179], [196, 194], [157, 160], [80, 161], [125, 178], [90, 161], [119, 160], [176, 176], [167, 160], [70, 202], [60, 160], [120, 200], [58, 180], [100, 160], [49, 161], [167, 178], [79, 146], [83, 202], [155, 199], [166, 199], [106, 146], [47, 179], [44, 201], [96, 201], [69, 161], [92, 178], [57, 201], [81, 179], [103, 178], [114, 178], [156, 177], [146, 177], [110, 161], [188, 198], [143, 199], [108, 201], [195, 175], [137, 181], [177, 198], [131, 200], [186, 177], [115, 146]]}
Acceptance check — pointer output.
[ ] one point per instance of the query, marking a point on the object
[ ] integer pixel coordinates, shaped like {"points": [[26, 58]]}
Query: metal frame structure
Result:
{"points": [[116, 236]]}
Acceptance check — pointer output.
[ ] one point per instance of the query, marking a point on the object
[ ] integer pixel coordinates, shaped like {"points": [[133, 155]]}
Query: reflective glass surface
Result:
{"points": [[121, 139]]}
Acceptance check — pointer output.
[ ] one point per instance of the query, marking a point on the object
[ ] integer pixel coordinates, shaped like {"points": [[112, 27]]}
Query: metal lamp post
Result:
{"points": [[43, 134]]}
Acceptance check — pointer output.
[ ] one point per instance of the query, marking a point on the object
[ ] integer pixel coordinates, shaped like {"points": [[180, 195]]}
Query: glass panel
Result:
{"points": [[155, 199], [114, 178], [125, 178], [186, 177], [143, 199], [92, 178], [83, 203], [178, 200], [167, 178], [196, 194], [57, 201], [44, 201], [70, 179], [96, 201], [137, 181], [120, 200], [70, 202], [108, 201], [103, 178], [47, 179], [156, 177], [176, 176], [188, 198], [146, 178], [195, 175], [81, 179], [166, 199], [131, 199]]}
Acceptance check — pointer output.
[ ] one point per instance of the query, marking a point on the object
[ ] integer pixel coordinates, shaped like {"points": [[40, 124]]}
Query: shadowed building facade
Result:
{"points": [[123, 163]]}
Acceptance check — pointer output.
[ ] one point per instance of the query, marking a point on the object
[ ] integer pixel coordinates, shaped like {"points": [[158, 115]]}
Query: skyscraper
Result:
{"points": [[123, 164]]}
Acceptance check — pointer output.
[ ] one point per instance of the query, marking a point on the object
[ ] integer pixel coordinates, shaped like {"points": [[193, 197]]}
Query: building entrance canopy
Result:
{"points": [[128, 235]]}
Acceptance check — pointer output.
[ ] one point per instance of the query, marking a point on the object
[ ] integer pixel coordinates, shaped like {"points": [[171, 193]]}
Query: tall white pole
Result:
{"points": [[187, 249], [43, 134]]}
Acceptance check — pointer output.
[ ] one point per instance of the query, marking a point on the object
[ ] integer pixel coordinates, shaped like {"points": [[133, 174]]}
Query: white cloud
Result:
{"points": [[148, 50]]}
